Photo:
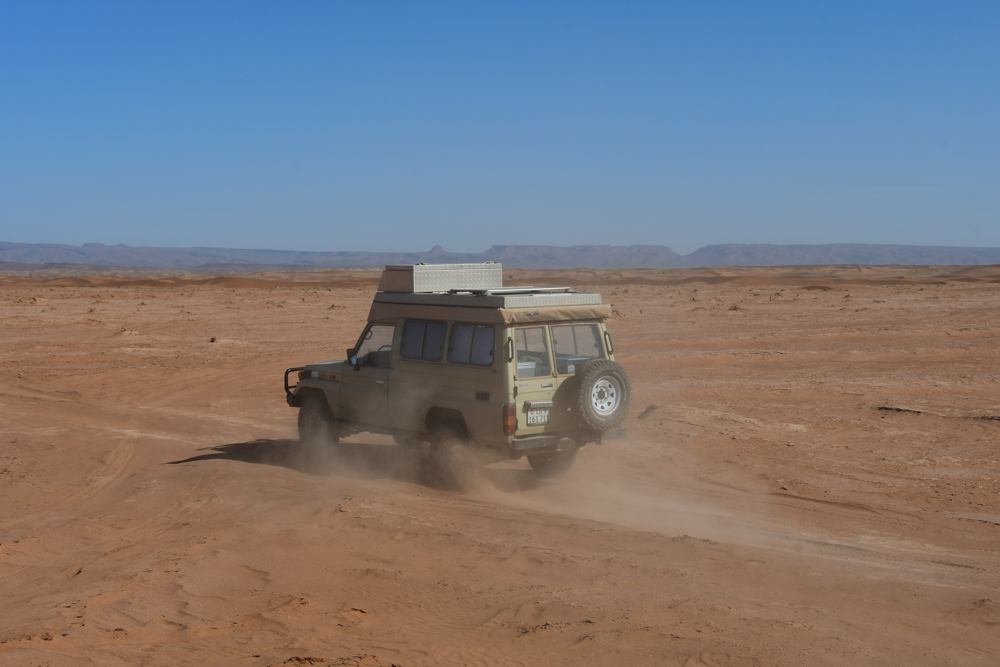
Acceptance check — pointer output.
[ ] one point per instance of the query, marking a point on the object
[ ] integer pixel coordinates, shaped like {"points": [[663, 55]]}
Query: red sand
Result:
{"points": [[811, 478]]}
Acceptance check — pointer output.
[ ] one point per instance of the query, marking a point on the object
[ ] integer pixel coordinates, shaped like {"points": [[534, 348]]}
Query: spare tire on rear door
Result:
{"points": [[605, 394]]}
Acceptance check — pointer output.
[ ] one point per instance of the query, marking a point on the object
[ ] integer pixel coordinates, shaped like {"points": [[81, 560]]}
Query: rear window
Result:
{"points": [[574, 344], [532, 352], [423, 340], [471, 344]]}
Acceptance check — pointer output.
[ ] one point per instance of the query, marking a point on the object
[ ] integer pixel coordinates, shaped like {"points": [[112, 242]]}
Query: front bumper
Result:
{"points": [[289, 394]]}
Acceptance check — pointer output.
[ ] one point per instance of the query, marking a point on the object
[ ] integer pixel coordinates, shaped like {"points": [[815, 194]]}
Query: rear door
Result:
{"points": [[573, 345], [534, 379]]}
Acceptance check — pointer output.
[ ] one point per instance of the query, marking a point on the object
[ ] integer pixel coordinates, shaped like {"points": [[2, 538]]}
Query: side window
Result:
{"points": [[482, 346], [532, 352], [412, 340], [422, 340], [574, 344], [375, 346], [471, 344]]}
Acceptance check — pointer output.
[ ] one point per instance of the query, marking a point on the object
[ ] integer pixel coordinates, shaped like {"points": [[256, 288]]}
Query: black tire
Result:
{"points": [[605, 394], [554, 464], [449, 453], [317, 429]]}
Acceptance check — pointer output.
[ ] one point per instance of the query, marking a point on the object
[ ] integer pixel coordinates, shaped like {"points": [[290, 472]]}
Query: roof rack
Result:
{"points": [[417, 278], [469, 286], [509, 290]]}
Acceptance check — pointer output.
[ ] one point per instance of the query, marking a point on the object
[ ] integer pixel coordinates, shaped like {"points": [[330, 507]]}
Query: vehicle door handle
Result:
{"points": [[545, 385], [379, 381]]}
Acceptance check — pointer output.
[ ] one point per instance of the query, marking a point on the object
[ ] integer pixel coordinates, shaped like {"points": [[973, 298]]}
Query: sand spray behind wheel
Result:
{"points": [[665, 500]]}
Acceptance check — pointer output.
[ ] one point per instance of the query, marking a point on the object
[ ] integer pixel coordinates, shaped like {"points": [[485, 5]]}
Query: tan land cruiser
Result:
{"points": [[453, 358]]}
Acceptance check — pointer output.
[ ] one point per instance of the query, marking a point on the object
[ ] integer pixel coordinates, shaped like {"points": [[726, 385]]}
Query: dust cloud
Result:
{"points": [[615, 497]]}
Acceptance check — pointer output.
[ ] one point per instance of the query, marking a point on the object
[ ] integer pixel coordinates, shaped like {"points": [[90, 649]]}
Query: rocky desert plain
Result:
{"points": [[811, 477]]}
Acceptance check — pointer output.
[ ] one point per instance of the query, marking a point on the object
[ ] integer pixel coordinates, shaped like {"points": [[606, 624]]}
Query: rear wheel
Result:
{"points": [[554, 464], [449, 452]]}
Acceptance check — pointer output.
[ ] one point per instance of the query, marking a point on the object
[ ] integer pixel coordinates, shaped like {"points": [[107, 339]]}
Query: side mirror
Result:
{"points": [[352, 357]]}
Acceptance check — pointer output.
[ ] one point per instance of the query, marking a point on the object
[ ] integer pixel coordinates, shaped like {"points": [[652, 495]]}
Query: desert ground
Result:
{"points": [[811, 477]]}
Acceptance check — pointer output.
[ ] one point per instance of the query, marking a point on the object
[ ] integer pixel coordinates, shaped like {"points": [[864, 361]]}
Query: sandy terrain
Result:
{"points": [[811, 478]]}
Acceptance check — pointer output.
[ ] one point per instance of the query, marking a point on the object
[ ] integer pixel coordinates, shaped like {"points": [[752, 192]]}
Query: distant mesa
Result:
{"points": [[512, 256]]}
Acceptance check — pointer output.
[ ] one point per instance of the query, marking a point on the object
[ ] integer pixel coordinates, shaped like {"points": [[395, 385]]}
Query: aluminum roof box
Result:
{"points": [[440, 277]]}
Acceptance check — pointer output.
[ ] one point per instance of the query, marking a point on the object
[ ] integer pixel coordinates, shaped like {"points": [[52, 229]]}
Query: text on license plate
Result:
{"points": [[538, 417]]}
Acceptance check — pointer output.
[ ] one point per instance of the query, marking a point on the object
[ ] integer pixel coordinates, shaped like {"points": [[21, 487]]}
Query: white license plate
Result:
{"points": [[536, 417]]}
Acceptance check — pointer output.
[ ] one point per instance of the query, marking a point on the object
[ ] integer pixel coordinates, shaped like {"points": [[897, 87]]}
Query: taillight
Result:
{"points": [[509, 418]]}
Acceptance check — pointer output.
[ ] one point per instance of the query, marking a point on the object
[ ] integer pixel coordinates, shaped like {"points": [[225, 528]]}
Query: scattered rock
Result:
{"points": [[892, 408], [361, 660]]}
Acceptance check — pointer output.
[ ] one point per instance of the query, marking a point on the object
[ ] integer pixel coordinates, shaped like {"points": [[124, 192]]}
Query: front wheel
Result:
{"points": [[316, 427]]}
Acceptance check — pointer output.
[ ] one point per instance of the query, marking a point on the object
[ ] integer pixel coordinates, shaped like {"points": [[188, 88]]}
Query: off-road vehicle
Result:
{"points": [[453, 358]]}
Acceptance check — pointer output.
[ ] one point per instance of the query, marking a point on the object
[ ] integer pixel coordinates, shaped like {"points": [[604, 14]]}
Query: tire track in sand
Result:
{"points": [[115, 463]]}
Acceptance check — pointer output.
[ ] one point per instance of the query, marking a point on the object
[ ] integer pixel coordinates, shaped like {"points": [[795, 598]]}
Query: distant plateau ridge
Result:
{"points": [[21, 256]]}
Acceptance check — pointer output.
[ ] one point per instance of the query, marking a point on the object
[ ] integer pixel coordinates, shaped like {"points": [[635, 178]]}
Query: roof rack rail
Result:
{"points": [[509, 290]]}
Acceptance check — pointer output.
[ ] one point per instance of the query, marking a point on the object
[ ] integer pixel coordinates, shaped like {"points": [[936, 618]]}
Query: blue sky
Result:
{"points": [[398, 126]]}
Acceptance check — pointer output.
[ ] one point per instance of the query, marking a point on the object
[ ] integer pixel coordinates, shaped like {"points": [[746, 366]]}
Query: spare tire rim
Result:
{"points": [[606, 395]]}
